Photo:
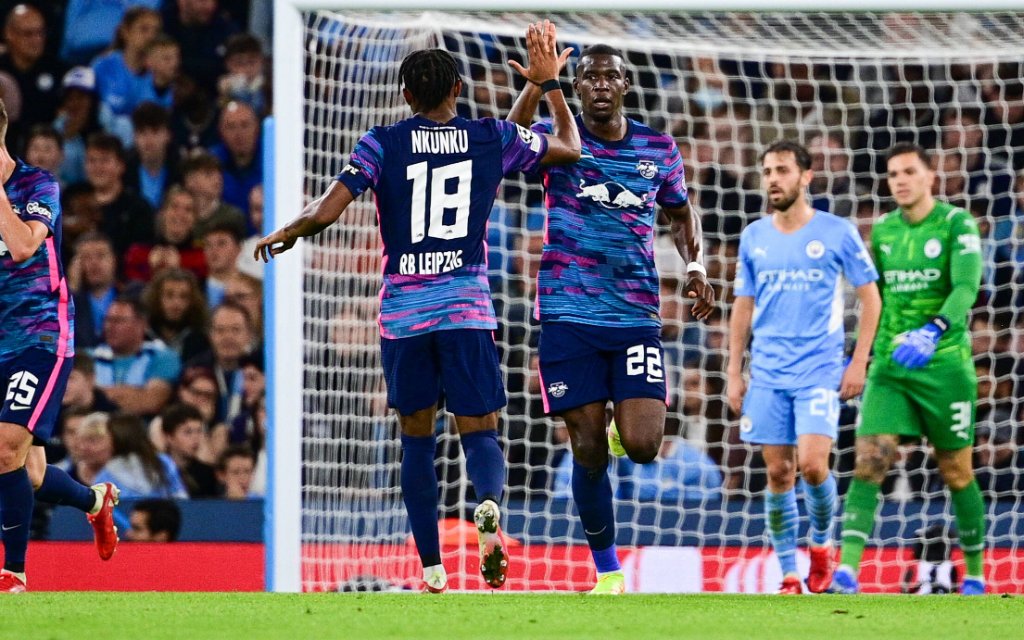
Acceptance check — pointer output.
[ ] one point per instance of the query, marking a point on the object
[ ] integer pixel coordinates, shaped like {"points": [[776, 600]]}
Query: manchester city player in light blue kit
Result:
{"points": [[434, 176], [789, 290]]}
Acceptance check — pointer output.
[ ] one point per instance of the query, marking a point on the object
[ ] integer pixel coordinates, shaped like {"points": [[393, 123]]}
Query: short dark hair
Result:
{"points": [[600, 50], [799, 151], [903, 148], [234, 451], [103, 141], [200, 161], [133, 302], [175, 415], [44, 131], [164, 516], [429, 75], [162, 40], [235, 228], [83, 363], [242, 43], [93, 236], [150, 115]]}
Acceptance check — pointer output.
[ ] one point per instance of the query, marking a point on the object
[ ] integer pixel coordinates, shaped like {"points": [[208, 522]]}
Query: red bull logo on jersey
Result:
{"points": [[610, 195]]}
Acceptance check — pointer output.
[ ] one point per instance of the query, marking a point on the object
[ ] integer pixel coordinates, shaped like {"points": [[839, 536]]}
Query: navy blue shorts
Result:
{"points": [[581, 364], [463, 363], [35, 382]]}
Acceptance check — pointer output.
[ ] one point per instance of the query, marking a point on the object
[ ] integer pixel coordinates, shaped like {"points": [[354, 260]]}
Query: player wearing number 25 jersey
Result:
{"points": [[434, 176]]}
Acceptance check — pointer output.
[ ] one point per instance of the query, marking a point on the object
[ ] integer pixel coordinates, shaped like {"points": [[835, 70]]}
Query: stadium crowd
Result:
{"points": [[149, 113]]}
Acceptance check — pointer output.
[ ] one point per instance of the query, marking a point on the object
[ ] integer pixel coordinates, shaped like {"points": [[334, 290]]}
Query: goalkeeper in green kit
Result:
{"points": [[921, 382]]}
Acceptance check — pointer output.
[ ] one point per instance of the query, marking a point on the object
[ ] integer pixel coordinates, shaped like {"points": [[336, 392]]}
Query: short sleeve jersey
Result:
{"points": [[796, 280], [36, 309], [435, 186], [598, 262]]}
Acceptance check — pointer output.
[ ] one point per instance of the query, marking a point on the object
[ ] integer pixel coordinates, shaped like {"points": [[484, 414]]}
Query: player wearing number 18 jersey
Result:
{"points": [[922, 381], [789, 292], [435, 176]]}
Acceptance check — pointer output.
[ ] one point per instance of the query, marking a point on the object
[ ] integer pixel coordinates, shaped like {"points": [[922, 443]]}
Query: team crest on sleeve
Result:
{"points": [[932, 248], [529, 137], [647, 169], [815, 249], [557, 389]]}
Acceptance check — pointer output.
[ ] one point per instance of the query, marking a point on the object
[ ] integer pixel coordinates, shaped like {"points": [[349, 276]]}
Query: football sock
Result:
{"points": [[419, 492], [969, 509], [485, 464], [59, 488], [858, 521], [16, 501], [592, 492], [821, 508], [781, 514]]}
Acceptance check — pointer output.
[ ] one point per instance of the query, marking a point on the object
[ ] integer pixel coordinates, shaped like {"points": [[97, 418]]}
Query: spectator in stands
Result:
{"points": [[82, 394], [184, 434], [90, 26], [77, 119], [90, 446], [681, 472], [127, 218], [198, 388], [177, 312], [995, 442], [1002, 89], [247, 292], [154, 520], [230, 339], [987, 178], [245, 80], [246, 264], [222, 246], [137, 469], [153, 163], [235, 471], [163, 61], [122, 82], [202, 30], [44, 148], [137, 374], [201, 176], [35, 71], [247, 427], [803, 98], [832, 188], [175, 245], [95, 269], [81, 214], [492, 92], [58, 447], [240, 155]]}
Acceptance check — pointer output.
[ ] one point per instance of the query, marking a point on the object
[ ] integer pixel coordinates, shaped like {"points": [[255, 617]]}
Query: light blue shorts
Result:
{"points": [[780, 416]]}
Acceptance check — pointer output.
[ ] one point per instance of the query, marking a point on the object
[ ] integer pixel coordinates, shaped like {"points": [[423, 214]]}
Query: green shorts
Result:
{"points": [[936, 402]]}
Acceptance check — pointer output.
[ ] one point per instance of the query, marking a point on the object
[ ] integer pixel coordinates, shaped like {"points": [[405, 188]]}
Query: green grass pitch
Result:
{"points": [[181, 616]]}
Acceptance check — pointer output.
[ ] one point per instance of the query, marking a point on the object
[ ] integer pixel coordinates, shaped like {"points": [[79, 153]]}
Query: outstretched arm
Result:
{"points": [[317, 216], [542, 75], [689, 239]]}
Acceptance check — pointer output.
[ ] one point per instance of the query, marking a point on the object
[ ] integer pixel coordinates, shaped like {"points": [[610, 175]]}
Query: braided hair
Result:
{"points": [[429, 75]]}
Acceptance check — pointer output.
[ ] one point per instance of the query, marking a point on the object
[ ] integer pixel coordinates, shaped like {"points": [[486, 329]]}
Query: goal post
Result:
{"points": [[334, 517]]}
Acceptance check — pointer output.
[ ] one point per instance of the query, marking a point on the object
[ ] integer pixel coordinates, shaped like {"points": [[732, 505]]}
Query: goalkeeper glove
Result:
{"points": [[918, 346]]}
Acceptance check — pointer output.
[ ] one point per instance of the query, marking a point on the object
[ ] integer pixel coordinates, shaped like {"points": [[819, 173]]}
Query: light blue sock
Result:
{"points": [[781, 515], [821, 509]]}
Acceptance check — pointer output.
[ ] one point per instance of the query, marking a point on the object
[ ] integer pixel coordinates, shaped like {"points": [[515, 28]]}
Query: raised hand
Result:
{"points": [[266, 249], [544, 60]]}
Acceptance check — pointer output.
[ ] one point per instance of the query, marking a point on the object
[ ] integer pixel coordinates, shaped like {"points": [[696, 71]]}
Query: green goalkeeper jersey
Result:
{"points": [[927, 269]]}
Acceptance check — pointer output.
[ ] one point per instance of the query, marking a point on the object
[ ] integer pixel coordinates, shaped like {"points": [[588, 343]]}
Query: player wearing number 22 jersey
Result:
{"points": [[435, 176]]}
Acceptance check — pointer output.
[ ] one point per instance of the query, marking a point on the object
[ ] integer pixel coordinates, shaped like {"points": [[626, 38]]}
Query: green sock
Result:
{"points": [[858, 521], [969, 509]]}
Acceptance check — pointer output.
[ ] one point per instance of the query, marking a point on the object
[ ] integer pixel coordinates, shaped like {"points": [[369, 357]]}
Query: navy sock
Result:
{"points": [[419, 491], [16, 501], [592, 491], [485, 464], [59, 488]]}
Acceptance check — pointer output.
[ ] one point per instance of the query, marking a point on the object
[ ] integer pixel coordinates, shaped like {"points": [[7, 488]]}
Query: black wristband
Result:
{"points": [[941, 322], [550, 85]]}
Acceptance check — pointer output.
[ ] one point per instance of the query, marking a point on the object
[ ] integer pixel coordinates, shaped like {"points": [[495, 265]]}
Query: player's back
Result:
{"points": [[435, 186], [35, 305], [796, 282]]}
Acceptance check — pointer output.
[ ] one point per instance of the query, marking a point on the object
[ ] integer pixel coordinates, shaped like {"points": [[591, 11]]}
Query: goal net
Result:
{"points": [[849, 85]]}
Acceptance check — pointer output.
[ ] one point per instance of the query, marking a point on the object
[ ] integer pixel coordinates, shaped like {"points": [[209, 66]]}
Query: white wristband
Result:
{"points": [[698, 267]]}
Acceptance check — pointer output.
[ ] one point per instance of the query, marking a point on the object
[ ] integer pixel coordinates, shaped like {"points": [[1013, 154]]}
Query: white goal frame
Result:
{"points": [[284, 171]]}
